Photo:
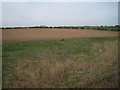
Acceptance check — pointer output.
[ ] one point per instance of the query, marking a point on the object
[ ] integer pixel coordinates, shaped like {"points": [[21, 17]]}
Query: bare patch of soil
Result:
{"points": [[36, 34]]}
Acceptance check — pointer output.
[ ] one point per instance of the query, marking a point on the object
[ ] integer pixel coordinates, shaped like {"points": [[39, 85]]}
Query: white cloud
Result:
{"points": [[28, 14], [0, 14], [60, 0]]}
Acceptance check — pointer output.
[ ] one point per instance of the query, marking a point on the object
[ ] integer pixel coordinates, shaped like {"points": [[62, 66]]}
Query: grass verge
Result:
{"points": [[82, 63]]}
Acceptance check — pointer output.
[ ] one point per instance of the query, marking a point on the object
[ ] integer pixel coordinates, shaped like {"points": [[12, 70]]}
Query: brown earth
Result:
{"points": [[35, 34]]}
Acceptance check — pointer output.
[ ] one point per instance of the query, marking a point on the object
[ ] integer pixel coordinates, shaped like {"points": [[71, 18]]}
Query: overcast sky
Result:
{"points": [[59, 13]]}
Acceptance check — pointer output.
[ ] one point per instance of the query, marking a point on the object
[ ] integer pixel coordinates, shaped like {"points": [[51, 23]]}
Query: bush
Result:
{"points": [[82, 27]]}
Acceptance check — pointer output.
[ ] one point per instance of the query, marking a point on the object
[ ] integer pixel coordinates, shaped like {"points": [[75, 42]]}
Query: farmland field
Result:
{"points": [[37, 34], [84, 59]]}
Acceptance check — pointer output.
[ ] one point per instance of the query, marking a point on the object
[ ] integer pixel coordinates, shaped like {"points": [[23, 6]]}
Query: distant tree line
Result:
{"points": [[110, 28]]}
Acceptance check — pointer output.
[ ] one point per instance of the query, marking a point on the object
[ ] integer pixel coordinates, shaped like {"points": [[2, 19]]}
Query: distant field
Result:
{"points": [[36, 34], [78, 63]]}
